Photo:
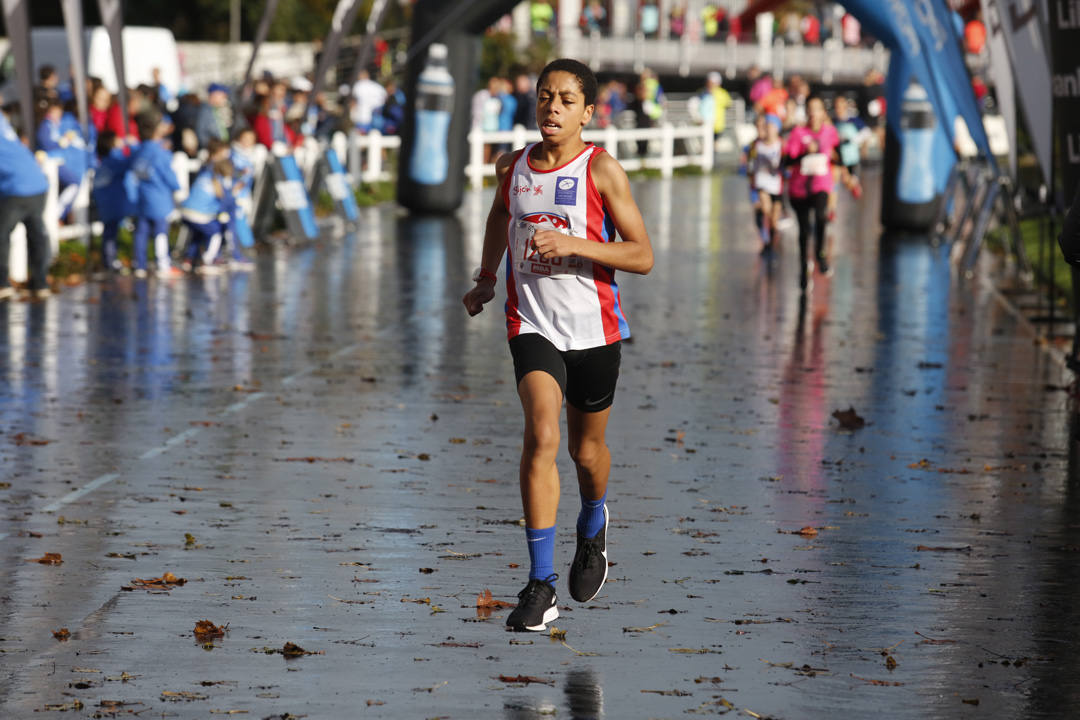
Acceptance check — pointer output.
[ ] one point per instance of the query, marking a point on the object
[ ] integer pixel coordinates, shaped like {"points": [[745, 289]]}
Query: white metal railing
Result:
{"points": [[365, 153], [699, 151]]}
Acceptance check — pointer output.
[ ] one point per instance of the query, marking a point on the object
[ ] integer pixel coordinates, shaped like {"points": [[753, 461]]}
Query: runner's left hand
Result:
{"points": [[551, 244]]}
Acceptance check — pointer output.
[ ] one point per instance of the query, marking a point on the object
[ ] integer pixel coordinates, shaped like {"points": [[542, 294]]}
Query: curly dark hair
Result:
{"points": [[579, 70]]}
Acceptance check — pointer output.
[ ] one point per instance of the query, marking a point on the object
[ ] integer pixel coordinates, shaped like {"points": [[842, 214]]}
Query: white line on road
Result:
{"points": [[76, 494], [182, 437]]}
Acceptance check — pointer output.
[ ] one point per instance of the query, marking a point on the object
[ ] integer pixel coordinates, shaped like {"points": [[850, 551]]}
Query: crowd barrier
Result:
{"points": [[669, 147]]}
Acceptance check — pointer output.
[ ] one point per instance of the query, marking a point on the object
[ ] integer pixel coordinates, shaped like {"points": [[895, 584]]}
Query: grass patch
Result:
{"points": [[1031, 234], [375, 193]]}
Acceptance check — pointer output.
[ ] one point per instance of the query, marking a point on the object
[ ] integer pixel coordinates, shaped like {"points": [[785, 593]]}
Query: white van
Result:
{"points": [[144, 49]]}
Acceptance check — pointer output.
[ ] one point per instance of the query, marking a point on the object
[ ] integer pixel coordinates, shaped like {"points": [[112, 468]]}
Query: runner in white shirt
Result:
{"points": [[559, 206], [767, 177]]}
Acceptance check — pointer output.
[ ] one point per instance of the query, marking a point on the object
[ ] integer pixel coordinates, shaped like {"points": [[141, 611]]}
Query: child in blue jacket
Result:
{"points": [[208, 209], [152, 166], [114, 194], [243, 162], [61, 138]]}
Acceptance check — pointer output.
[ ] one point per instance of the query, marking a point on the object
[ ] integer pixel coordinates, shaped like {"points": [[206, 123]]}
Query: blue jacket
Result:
{"points": [[203, 199], [151, 164], [20, 175], [78, 153], [115, 188], [244, 170]]}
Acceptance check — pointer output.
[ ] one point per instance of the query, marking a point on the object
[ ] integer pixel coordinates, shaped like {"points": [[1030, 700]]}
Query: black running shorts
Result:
{"points": [[587, 377]]}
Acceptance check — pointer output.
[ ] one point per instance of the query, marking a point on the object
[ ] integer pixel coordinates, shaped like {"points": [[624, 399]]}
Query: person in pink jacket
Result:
{"points": [[810, 151]]}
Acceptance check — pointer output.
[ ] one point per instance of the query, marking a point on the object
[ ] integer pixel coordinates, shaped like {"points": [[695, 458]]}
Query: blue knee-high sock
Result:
{"points": [[590, 520], [541, 552]]}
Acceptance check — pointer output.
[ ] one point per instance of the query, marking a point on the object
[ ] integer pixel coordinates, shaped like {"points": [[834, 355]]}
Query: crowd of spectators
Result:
{"points": [[128, 170], [714, 22]]}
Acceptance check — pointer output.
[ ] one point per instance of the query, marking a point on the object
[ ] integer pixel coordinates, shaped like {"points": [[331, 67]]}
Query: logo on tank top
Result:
{"points": [[521, 186], [554, 220], [566, 191]]}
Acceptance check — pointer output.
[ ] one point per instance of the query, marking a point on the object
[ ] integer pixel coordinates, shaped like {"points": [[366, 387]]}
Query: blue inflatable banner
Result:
{"points": [[340, 187], [293, 199], [946, 59]]}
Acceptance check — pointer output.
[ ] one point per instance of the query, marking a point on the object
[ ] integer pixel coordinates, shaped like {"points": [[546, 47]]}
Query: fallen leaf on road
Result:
{"points": [[166, 582], [178, 695], [939, 548], [312, 459], [524, 679], [206, 631], [48, 558], [289, 650], [871, 681], [485, 600], [675, 693], [62, 634], [22, 440], [849, 419], [63, 707]]}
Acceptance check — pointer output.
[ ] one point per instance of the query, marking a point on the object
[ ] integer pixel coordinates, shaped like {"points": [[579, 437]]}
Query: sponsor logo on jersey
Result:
{"points": [[522, 187], [559, 222], [566, 191]]}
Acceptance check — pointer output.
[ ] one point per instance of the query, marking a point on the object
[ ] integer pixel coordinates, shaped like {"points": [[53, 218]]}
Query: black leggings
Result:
{"points": [[817, 203]]}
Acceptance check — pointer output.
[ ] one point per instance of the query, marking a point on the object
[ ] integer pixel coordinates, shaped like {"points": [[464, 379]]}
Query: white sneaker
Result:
{"points": [[42, 293], [140, 273]]}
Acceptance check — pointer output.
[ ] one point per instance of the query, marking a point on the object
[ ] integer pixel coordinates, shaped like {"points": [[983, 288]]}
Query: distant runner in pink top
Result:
{"points": [[810, 151]]}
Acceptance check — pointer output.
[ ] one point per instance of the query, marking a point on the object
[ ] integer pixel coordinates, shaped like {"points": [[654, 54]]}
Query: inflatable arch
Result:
{"points": [[439, 79], [926, 90]]}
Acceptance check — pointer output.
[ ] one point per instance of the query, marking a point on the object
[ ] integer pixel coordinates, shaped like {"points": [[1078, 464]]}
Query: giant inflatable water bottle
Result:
{"points": [[916, 183], [429, 162]]}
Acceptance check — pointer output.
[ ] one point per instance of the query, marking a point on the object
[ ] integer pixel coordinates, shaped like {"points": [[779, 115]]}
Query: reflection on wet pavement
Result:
{"points": [[325, 450]]}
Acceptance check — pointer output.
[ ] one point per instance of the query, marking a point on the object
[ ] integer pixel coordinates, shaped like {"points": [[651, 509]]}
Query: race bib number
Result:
{"points": [[527, 260], [814, 164], [767, 182]]}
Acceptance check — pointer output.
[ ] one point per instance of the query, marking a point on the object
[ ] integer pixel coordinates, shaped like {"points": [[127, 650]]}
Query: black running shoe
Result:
{"points": [[589, 569], [536, 606], [823, 266]]}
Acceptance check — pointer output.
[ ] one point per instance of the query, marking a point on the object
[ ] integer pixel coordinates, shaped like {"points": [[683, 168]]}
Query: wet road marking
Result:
{"points": [[182, 437], [241, 404], [76, 494]]}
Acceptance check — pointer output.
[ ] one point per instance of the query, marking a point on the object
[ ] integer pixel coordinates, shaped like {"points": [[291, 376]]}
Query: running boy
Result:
{"points": [[152, 167], [559, 205], [768, 181]]}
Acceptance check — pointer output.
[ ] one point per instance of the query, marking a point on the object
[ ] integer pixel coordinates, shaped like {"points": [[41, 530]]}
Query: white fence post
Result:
{"points": [[374, 164], [354, 161], [708, 144], [611, 141], [476, 159], [341, 146], [52, 205], [18, 260], [520, 137], [667, 149]]}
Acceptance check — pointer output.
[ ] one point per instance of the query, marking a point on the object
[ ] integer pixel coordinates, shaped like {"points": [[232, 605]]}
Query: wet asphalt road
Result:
{"points": [[326, 451]]}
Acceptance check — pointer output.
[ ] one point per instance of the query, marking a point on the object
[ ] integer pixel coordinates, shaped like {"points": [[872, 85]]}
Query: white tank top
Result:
{"points": [[572, 302]]}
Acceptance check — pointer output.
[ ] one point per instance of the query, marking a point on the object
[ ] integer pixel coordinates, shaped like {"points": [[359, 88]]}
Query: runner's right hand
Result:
{"points": [[476, 298]]}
